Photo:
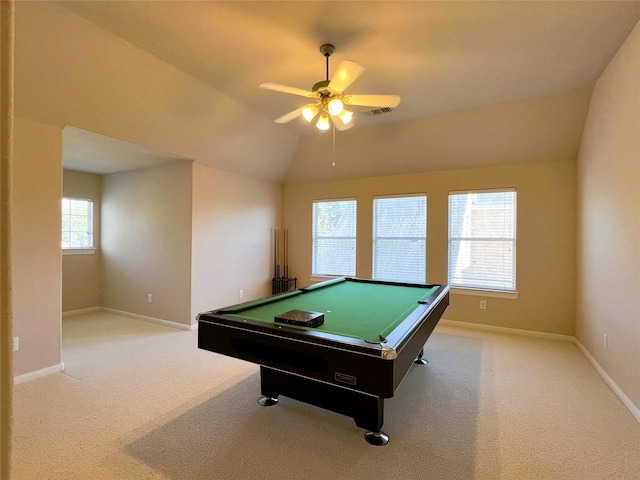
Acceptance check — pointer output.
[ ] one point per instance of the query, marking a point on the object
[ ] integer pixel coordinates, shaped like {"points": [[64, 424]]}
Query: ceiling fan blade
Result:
{"points": [[345, 75], [372, 100], [287, 117], [276, 87]]}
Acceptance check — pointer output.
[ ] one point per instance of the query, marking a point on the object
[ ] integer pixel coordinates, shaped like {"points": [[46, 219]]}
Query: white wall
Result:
{"points": [[232, 221], [146, 241], [608, 280], [37, 251]]}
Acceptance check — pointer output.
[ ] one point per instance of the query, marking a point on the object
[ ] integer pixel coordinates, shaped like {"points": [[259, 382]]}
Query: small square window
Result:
{"points": [[77, 223]]}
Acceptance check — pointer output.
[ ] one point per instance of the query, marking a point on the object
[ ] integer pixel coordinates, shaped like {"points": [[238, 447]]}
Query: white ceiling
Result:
{"points": [[438, 56]]}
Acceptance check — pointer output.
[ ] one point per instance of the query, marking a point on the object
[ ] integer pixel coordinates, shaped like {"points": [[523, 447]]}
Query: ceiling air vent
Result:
{"points": [[379, 111]]}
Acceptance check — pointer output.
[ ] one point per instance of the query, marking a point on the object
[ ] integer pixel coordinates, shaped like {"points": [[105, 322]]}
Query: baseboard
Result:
{"points": [[635, 411], [626, 401], [80, 311], [167, 323], [38, 373], [513, 331]]}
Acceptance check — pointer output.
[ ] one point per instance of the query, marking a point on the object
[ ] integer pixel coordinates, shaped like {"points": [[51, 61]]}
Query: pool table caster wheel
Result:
{"points": [[268, 401], [376, 438]]}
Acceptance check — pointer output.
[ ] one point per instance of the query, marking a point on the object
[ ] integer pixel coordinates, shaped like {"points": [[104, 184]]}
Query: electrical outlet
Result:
{"points": [[606, 341], [241, 293], [149, 297], [483, 304], [16, 344]]}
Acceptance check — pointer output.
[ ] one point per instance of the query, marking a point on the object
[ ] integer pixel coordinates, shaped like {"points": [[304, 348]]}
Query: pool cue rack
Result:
{"points": [[281, 282]]}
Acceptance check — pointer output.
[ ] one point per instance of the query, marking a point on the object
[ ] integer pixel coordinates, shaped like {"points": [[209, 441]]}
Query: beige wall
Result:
{"points": [[546, 196], [6, 242], [146, 241], [81, 274], [232, 221], [608, 286], [36, 245]]}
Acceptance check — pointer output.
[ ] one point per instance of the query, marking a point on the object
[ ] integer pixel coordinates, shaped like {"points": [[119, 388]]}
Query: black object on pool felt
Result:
{"points": [[301, 318]]}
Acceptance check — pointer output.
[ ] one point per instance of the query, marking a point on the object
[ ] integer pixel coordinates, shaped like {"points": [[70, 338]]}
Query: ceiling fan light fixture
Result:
{"points": [[323, 122], [309, 112], [328, 97], [346, 116], [335, 106]]}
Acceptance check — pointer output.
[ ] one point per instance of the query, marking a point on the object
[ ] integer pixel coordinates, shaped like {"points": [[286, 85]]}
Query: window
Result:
{"points": [[77, 223], [334, 238], [482, 239], [399, 238]]}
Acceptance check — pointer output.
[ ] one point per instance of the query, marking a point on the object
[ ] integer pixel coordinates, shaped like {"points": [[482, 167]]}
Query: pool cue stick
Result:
{"points": [[273, 279], [286, 253], [277, 253], [279, 260]]}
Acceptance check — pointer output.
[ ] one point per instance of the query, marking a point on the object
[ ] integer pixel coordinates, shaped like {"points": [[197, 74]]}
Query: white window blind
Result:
{"points": [[77, 223], [334, 237], [399, 238], [482, 239]]}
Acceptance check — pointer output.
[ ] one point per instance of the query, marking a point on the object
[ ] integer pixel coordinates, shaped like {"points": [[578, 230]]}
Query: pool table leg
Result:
{"points": [[268, 401], [376, 438], [366, 410], [419, 360]]}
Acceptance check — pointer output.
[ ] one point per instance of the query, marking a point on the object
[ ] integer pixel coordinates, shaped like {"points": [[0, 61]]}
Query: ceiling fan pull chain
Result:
{"points": [[333, 151]]}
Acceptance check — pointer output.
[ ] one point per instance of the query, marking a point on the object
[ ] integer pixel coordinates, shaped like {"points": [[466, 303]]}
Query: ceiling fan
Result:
{"points": [[329, 99]]}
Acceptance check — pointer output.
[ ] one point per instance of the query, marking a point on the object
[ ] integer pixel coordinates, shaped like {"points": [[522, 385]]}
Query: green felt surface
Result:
{"points": [[354, 309]]}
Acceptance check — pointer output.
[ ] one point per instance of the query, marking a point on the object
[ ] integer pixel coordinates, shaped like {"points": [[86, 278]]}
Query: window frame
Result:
{"points": [[375, 238], [484, 290], [314, 237], [79, 250]]}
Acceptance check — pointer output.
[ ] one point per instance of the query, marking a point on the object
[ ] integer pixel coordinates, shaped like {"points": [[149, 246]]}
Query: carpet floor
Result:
{"points": [[140, 401]]}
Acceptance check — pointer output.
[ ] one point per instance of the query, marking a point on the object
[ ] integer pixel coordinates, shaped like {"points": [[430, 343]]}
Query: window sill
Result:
{"points": [[78, 251], [485, 293]]}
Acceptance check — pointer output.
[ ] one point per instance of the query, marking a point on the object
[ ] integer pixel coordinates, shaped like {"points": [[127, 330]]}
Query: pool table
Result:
{"points": [[373, 331]]}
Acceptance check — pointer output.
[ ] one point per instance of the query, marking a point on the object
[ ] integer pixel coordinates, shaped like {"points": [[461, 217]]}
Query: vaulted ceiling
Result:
{"points": [[471, 68]]}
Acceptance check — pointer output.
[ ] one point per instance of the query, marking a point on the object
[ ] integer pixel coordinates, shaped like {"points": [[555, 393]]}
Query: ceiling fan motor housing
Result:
{"points": [[321, 88]]}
